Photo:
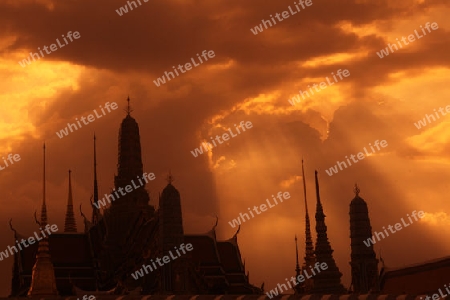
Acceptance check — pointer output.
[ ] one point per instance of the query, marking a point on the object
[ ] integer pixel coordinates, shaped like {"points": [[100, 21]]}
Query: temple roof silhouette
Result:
{"points": [[128, 235]]}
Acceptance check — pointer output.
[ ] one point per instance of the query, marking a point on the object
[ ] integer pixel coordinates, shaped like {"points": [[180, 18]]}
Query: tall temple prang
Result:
{"points": [[125, 208], [129, 166], [363, 262], [171, 235], [329, 280]]}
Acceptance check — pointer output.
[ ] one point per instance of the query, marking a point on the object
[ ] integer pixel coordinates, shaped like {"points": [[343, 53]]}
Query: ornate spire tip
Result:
{"points": [[356, 190]]}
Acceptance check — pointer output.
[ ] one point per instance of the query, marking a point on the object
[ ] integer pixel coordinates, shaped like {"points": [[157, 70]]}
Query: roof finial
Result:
{"points": [[128, 110], [217, 222], [36, 220], [356, 190], [239, 229], [170, 178], [10, 226], [381, 258]]}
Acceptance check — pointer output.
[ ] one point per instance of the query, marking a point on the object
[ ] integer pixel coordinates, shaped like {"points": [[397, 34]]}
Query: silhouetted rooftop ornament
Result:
{"points": [[128, 110], [82, 214], [356, 190], [239, 229], [217, 222], [12, 228], [170, 178], [35, 218]]}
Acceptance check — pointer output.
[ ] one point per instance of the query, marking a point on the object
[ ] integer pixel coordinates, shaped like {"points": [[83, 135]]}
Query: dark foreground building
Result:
{"points": [[108, 258], [122, 238]]}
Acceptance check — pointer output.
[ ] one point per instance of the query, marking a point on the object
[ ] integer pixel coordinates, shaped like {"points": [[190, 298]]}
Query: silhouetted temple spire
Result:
{"points": [[44, 206], [95, 210], [126, 206], [309, 258], [299, 287], [363, 262], [171, 232], [43, 281], [70, 225], [329, 280], [309, 249], [297, 266], [129, 165]]}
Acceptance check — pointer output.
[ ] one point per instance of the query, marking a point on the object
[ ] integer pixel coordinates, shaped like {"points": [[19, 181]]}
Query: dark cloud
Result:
{"points": [[250, 78]]}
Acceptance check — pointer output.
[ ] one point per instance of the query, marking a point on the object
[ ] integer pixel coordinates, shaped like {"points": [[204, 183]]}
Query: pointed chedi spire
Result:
{"points": [[171, 232], [309, 258], [43, 282], [300, 287], [70, 224], [125, 207], [129, 166], [297, 266], [44, 206], [364, 264], [327, 281]]}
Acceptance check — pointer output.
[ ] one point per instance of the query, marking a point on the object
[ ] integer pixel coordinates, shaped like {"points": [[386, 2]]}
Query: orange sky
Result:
{"points": [[250, 78]]}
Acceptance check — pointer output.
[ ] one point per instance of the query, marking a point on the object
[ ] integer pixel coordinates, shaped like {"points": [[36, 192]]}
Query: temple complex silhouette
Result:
{"points": [[129, 233]]}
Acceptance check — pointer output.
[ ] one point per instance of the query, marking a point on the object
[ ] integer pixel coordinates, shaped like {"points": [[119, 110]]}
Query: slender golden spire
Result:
{"points": [[43, 282], [70, 224], [95, 210], [44, 206], [309, 250], [309, 258]]}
